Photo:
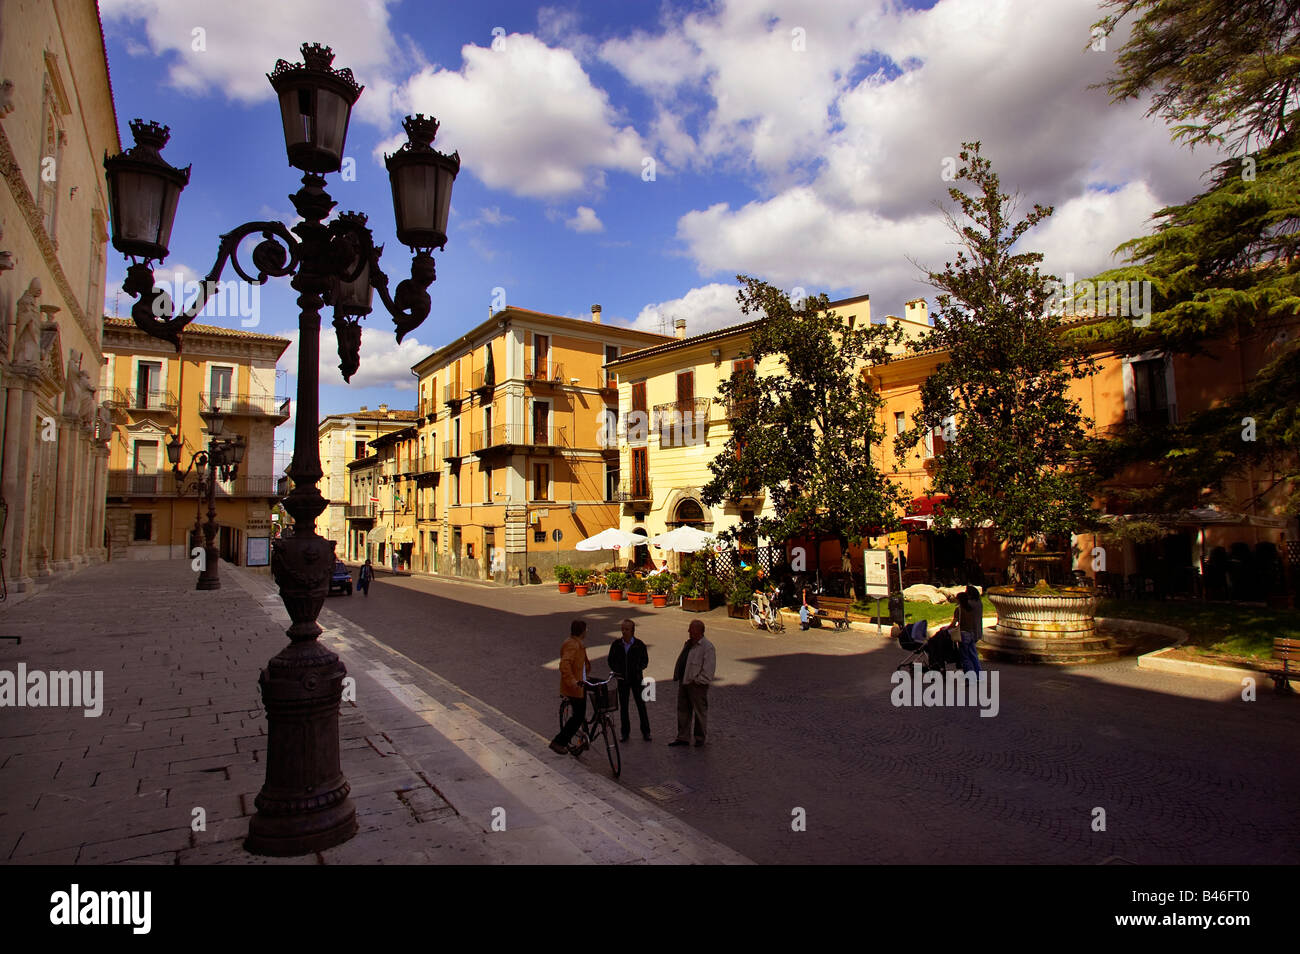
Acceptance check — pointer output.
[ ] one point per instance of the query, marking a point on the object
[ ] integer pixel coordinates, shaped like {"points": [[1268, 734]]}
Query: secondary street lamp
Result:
{"points": [[223, 458], [303, 806]]}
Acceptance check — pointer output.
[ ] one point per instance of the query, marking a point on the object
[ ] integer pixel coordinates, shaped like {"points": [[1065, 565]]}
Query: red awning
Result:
{"points": [[927, 506]]}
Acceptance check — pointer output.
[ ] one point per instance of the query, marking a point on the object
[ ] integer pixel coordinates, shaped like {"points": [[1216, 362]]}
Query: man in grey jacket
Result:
{"points": [[693, 674]]}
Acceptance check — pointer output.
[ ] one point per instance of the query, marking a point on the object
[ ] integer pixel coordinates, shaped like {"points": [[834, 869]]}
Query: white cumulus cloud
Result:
{"points": [[585, 220]]}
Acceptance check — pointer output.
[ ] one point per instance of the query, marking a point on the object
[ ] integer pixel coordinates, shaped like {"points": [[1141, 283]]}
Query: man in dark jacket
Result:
{"points": [[629, 658]]}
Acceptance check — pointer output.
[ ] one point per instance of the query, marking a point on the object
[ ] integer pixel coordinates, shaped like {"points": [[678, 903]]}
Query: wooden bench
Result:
{"points": [[1288, 651], [835, 609]]}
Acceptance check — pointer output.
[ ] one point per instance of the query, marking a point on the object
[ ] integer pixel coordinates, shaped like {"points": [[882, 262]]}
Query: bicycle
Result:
{"points": [[602, 700], [763, 614]]}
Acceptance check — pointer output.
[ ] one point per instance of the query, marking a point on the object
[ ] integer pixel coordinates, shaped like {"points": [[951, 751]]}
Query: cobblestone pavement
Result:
{"points": [[182, 728], [1185, 771]]}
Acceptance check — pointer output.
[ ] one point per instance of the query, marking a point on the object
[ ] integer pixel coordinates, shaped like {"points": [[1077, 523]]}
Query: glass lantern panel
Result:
{"points": [[140, 205]]}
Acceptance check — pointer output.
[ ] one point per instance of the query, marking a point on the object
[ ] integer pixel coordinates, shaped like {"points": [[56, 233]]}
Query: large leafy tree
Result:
{"points": [[1223, 266], [1013, 435], [805, 422]]}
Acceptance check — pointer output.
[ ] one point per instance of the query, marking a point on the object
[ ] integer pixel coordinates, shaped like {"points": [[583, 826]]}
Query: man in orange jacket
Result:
{"points": [[574, 667]]}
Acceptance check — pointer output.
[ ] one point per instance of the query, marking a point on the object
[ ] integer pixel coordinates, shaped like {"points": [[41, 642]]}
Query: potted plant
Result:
{"points": [[636, 591], [694, 587], [739, 598], [580, 578], [616, 580], [660, 585], [564, 577]]}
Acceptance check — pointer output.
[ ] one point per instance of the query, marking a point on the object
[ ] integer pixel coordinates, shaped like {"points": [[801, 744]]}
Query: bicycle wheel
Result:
{"points": [[775, 623], [755, 617], [611, 745]]}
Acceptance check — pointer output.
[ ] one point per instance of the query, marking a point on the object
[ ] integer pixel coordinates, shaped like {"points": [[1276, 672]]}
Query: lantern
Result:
{"points": [[143, 191], [315, 104], [421, 179]]}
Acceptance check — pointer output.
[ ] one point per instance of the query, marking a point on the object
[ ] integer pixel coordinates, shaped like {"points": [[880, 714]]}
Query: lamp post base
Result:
{"points": [[303, 806]]}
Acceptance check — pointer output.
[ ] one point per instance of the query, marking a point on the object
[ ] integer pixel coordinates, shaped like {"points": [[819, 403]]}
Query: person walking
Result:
{"points": [[970, 622], [574, 667], [365, 577], [693, 674], [629, 658]]}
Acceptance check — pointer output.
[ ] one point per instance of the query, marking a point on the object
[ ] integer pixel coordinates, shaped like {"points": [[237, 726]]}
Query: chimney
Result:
{"points": [[679, 328], [916, 310], [595, 313], [364, 408]]}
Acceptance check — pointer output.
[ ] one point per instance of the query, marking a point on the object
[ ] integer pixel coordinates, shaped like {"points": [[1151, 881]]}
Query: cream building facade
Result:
{"points": [[153, 393], [57, 121], [343, 439], [672, 423]]}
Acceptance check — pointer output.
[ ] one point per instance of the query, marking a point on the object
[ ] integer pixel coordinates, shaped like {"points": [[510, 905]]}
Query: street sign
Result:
{"points": [[898, 539], [557, 535], [876, 567]]}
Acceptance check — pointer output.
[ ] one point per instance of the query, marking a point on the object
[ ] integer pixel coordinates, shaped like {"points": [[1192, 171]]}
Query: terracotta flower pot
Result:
{"points": [[660, 599], [566, 587], [615, 596], [636, 598], [580, 589], [738, 612], [693, 604]]}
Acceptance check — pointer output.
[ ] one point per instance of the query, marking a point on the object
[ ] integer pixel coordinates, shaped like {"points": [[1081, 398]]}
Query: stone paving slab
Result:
{"points": [[182, 734]]}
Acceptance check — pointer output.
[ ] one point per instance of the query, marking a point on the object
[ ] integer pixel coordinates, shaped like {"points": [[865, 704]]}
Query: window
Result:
{"points": [[455, 486], [145, 457], [541, 356], [220, 381], [640, 474], [487, 485], [455, 446], [360, 450], [742, 372], [638, 396], [611, 354], [638, 420], [900, 422], [1150, 391], [143, 527], [541, 422], [541, 481], [539, 536], [611, 481], [148, 384]]}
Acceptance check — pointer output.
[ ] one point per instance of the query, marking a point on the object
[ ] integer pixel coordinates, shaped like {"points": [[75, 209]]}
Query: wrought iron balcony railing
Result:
{"points": [[634, 490], [244, 405], [543, 377], [126, 483], [142, 399]]}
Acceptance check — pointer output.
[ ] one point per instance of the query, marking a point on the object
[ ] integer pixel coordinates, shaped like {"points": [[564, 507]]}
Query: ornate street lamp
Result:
{"points": [[303, 806], [223, 458]]}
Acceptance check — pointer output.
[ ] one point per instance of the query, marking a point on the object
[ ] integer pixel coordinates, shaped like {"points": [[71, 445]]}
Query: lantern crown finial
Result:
{"points": [[317, 58], [150, 135], [421, 130]]}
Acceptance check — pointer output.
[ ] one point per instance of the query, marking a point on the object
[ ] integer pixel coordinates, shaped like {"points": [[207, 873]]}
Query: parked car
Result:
{"points": [[341, 579]]}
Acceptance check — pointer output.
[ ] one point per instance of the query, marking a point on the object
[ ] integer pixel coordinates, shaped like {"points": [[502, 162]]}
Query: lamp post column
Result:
{"points": [[208, 576], [304, 806]]}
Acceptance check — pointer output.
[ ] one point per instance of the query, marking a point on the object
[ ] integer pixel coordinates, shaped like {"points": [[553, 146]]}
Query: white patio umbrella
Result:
{"points": [[611, 539], [685, 539]]}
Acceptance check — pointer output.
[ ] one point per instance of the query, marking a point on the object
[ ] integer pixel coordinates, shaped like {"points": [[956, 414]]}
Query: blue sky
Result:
{"points": [[801, 143]]}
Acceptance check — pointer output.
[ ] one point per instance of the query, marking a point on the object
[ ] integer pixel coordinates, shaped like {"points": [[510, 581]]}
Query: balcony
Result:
{"points": [[427, 464], [479, 385], [244, 405], [452, 395], [539, 377], [504, 438], [452, 451], [739, 405], [681, 423], [125, 483], [142, 399], [359, 511], [631, 490]]}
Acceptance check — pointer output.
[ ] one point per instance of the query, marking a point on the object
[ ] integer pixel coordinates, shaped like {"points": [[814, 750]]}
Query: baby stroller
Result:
{"points": [[934, 652]]}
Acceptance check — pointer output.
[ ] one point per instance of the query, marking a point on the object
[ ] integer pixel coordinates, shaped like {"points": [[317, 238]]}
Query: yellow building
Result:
{"points": [[155, 393], [672, 424], [344, 438], [56, 123], [511, 465]]}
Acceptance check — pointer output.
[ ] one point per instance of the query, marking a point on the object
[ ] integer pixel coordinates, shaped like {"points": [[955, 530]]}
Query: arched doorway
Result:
{"points": [[690, 513]]}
